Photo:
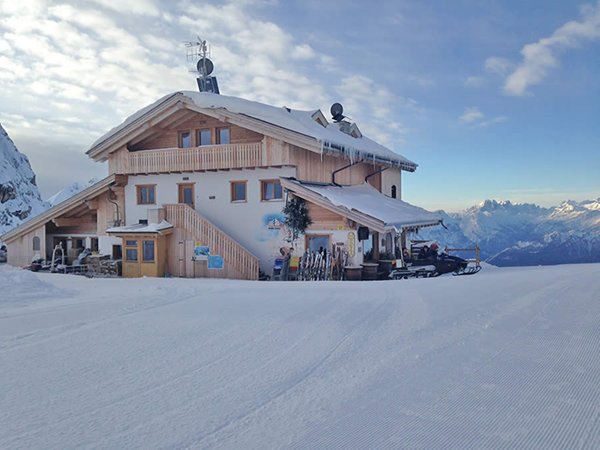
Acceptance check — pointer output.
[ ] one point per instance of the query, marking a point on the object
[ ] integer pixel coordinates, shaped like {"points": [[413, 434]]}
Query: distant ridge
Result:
{"points": [[518, 234]]}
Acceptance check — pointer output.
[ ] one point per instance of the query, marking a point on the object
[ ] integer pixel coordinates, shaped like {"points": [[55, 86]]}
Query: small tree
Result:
{"points": [[297, 219]]}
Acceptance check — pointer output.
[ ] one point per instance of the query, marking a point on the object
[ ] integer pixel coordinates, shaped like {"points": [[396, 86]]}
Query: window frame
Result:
{"points": [[198, 137], [138, 189], [263, 190], [180, 134], [218, 135], [143, 244], [232, 184], [131, 245]]}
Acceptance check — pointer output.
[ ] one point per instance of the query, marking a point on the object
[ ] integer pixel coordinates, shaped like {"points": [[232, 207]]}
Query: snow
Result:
{"points": [[302, 122], [19, 196], [364, 198], [505, 358], [142, 228], [70, 191]]}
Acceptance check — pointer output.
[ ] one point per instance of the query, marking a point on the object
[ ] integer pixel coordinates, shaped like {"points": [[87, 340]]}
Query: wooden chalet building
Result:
{"points": [[200, 170]]}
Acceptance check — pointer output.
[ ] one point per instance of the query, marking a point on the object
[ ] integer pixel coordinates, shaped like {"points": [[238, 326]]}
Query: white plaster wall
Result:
{"points": [[389, 177], [105, 244], [245, 222]]}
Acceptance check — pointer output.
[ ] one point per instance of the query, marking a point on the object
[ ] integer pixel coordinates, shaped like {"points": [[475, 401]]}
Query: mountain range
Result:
{"points": [[510, 234]]}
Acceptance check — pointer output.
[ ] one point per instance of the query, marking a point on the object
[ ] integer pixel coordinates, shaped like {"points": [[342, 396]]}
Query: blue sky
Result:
{"points": [[492, 99]]}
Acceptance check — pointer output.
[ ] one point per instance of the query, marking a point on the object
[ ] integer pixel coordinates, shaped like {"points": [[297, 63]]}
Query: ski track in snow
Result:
{"points": [[508, 358]]}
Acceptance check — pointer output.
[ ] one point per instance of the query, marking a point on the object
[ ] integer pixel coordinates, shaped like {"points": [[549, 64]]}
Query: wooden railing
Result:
{"points": [[234, 254], [206, 157]]}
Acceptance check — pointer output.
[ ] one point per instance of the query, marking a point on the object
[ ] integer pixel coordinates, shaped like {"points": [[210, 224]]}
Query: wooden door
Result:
{"points": [[186, 194]]}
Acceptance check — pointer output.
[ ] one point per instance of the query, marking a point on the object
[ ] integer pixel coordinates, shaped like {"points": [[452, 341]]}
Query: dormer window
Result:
{"points": [[185, 139]]}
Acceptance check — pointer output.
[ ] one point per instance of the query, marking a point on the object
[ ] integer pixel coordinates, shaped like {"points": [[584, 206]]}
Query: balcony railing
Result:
{"points": [[208, 157]]}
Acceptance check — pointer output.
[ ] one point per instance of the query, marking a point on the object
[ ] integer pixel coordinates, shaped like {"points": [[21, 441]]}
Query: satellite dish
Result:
{"points": [[336, 111], [205, 66]]}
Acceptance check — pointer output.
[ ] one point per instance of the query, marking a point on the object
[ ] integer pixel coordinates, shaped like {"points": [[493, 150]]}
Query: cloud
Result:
{"points": [[542, 56], [374, 107], [499, 66], [71, 71], [474, 81], [471, 115]]}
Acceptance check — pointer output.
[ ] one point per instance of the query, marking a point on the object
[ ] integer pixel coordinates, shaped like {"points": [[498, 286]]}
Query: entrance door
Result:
{"points": [[186, 194], [317, 242]]}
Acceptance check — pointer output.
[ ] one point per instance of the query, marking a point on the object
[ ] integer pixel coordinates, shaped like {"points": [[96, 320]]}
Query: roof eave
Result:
{"points": [[100, 151], [59, 209]]}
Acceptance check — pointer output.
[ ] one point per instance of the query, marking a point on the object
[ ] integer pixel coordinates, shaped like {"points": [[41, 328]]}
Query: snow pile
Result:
{"points": [[20, 198], [70, 191], [142, 228], [506, 358], [365, 199]]}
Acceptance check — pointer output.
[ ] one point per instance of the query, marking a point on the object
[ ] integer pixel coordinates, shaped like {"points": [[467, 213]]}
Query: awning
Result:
{"points": [[364, 204]]}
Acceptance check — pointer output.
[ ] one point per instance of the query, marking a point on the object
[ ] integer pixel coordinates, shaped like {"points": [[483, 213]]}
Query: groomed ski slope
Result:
{"points": [[508, 358]]}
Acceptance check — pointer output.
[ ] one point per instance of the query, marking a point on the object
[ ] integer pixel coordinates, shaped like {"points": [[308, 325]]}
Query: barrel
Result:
{"points": [[369, 271]]}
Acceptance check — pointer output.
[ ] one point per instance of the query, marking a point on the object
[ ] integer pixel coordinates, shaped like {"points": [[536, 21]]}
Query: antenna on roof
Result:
{"points": [[336, 111], [197, 54]]}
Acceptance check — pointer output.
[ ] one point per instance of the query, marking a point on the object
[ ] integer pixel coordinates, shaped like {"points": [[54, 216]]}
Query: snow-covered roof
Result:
{"points": [[365, 200], [142, 228], [329, 137]]}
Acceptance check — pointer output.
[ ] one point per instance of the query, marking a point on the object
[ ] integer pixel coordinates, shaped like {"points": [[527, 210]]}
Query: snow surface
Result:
{"points": [[506, 358], [299, 121]]}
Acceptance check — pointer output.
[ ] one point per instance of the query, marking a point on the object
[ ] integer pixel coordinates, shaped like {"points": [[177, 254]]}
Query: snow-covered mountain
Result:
{"points": [[525, 234], [70, 191], [19, 195]]}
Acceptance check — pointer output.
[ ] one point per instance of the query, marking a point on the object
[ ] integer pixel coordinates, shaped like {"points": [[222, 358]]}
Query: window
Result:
{"points": [[204, 137], [185, 139], [131, 254], [131, 251], [394, 191], [148, 251], [271, 190], [186, 193], [36, 244], [79, 244], [94, 242], [222, 135], [146, 194], [238, 191]]}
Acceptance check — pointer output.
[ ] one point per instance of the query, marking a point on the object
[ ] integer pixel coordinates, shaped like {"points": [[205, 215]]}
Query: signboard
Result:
{"points": [[201, 252], [215, 262]]}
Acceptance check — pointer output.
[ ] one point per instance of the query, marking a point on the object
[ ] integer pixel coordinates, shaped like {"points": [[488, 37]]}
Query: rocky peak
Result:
{"points": [[19, 196]]}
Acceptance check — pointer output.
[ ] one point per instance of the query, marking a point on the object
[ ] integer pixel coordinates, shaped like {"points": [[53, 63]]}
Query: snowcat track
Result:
{"points": [[467, 271]]}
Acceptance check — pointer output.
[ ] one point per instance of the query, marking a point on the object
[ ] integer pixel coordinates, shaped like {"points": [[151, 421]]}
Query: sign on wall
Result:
{"points": [[216, 262], [201, 252]]}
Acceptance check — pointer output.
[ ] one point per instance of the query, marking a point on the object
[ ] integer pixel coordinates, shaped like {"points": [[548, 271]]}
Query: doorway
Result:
{"points": [[186, 194], [317, 242]]}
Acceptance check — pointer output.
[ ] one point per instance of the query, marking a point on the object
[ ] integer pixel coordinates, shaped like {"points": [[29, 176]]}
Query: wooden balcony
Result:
{"points": [[207, 157]]}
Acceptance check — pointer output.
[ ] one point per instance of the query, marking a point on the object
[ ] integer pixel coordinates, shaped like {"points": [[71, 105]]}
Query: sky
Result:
{"points": [[494, 100]]}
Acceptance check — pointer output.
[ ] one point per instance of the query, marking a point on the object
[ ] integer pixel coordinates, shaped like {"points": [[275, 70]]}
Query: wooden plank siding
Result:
{"points": [[191, 226]]}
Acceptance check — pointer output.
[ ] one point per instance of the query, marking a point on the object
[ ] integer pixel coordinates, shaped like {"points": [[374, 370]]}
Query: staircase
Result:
{"points": [[244, 263]]}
